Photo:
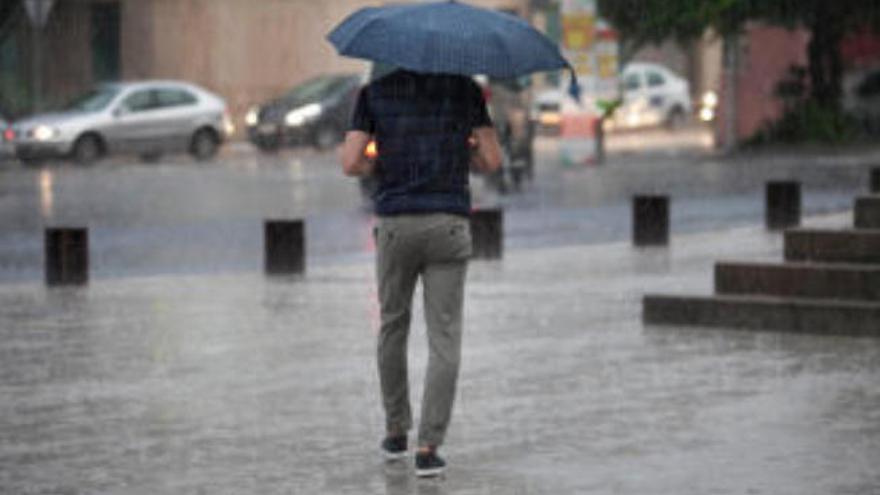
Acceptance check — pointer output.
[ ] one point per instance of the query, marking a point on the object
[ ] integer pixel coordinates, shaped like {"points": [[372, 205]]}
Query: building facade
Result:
{"points": [[244, 50]]}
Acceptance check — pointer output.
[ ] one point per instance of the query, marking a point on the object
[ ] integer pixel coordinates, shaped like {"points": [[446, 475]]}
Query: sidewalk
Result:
{"points": [[240, 384]]}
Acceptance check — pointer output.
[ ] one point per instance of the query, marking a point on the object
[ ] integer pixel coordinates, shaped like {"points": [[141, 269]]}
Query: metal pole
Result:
{"points": [[783, 205], [487, 233], [650, 220], [731, 74], [36, 69], [66, 256], [285, 247], [600, 140]]}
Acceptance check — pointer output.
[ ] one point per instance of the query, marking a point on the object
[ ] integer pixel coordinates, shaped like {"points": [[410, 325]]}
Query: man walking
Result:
{"points": [[429, 131]]}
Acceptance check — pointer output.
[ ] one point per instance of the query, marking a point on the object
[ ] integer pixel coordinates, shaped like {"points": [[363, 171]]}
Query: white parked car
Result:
{"points": [[652, 95], [147, 118]]}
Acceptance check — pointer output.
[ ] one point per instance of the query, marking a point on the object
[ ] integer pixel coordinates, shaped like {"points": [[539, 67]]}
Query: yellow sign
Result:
{"points": [[578, 31], [582, 63], [608, 66]]}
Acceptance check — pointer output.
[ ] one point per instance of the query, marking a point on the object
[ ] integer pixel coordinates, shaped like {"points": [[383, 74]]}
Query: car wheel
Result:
{"points": [[326, 138], [87, 150], [204, 145]]}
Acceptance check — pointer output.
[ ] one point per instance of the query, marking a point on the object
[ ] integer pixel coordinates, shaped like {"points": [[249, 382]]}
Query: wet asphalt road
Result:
{"points": [[179, 216]]}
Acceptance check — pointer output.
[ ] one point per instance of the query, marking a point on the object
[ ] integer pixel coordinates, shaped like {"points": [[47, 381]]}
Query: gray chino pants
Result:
{"points": [[435, 248]]}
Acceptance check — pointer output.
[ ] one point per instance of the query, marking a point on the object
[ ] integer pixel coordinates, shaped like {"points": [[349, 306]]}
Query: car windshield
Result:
{"points": [[315, 89], [93, 101]]}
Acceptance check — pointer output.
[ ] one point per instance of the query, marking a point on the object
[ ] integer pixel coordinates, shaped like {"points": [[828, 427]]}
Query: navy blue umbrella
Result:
{"points": [[447, 38]]}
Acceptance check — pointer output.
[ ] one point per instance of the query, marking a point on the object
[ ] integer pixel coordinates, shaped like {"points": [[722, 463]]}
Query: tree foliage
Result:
{"points": [[9, 9], [828, 21]]}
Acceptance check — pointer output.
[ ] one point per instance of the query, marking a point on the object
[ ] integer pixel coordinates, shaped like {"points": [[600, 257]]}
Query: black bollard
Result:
{"points": [[783, 205], [67, 256], [285, 247], [650, 220], [875, 180], [487, 232]]}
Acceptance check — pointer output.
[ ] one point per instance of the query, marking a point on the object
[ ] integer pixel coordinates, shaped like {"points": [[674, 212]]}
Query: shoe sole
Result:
{"points": [[394, 456], [429, 473]]}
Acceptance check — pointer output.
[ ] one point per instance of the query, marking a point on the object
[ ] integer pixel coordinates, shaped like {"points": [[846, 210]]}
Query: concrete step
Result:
{"points": [[815, 316], [800, 280], [833, 246], [867, 212]]}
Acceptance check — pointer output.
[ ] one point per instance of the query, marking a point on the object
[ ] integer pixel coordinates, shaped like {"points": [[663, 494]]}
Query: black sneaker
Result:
{"points": [[429, 464], [394, 448]]}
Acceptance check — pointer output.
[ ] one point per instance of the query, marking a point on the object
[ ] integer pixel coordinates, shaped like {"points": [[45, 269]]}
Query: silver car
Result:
{"points": [[146, 118]]}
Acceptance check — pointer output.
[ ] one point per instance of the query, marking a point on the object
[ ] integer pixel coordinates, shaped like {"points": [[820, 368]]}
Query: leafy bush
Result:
{"points": [[808, 122]]}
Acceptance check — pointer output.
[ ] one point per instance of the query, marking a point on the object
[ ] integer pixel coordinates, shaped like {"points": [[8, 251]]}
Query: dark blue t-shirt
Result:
{"points": [[421, 123]]}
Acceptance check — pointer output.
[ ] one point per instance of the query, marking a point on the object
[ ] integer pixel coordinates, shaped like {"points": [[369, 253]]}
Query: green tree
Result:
{"points": [[828, 21]]}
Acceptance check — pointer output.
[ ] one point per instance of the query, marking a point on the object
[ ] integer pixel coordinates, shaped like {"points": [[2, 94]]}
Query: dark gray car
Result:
{"points": [[314, 113]]}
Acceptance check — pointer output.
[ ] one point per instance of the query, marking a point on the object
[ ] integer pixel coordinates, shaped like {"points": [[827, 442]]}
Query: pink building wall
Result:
{"points": [[765, 55]]}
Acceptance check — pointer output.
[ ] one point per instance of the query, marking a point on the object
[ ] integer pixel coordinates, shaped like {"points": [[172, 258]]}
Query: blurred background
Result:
{"points": [[172, 130], [677, 98], [252, 52]]}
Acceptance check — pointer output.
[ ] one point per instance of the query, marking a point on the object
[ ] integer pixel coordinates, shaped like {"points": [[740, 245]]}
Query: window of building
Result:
{"points": [[105, 24]]}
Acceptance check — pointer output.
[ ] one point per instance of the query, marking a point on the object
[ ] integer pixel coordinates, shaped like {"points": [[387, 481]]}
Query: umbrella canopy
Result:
{"points": [[447, 38]]}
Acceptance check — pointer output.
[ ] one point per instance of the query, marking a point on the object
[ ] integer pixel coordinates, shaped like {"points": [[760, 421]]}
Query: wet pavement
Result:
{"points": [[219, 380], [237, 383]]}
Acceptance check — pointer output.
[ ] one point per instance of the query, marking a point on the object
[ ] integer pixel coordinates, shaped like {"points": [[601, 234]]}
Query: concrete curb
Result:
{"points": [[799, 280], [827, 317]]}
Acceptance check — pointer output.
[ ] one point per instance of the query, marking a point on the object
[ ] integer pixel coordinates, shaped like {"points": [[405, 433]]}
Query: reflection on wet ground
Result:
{"points": [[181, 217], [230, 384], [206, 377]]}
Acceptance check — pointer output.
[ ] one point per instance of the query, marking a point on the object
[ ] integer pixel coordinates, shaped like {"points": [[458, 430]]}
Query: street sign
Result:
{"points": [[590, 45], [38, 11]]}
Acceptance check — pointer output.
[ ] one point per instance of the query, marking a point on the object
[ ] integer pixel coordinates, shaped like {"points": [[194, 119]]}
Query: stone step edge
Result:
{"points": [[797, 265], [795, 238], [828, 231], [866, 212], [850, 281], [764, 313]]}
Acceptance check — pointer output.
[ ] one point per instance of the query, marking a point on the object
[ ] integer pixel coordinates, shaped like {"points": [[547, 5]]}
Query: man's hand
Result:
{"points": [[487, 153], [354, 160]]}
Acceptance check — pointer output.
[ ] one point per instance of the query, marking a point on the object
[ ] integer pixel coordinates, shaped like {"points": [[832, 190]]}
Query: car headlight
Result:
{"points": [[228, 126], [707, 114], [44, 133], [252, 117], [301, 115], [710, 99]]}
